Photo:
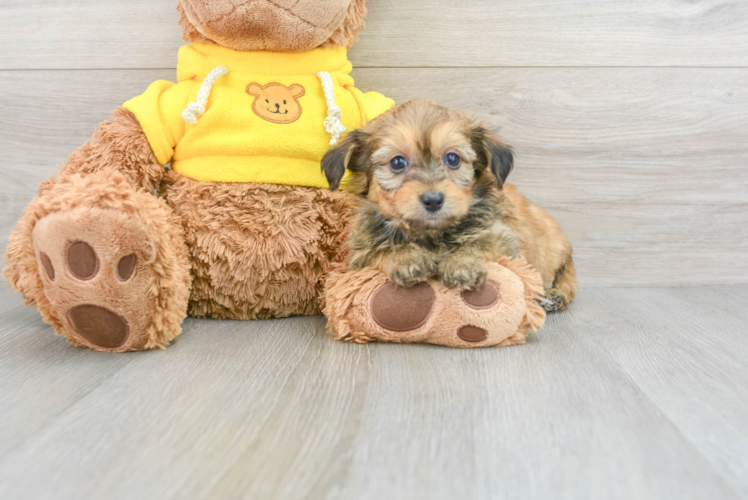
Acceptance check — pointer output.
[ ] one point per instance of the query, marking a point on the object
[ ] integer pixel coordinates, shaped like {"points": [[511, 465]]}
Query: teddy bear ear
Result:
{"points": [[347, 33], [297, 90], [254, 89]]}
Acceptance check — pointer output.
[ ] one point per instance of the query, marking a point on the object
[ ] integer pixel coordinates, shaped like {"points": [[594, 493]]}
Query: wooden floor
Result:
{"points": [[633, 394]]}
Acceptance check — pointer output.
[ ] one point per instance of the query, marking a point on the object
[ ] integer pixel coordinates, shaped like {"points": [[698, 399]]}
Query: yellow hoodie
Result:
{"points": [[264, 117]]}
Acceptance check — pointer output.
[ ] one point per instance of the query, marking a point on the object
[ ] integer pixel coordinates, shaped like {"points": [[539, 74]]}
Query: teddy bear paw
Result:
{"points": [[96, 273], [365, 306], [406, 310]]}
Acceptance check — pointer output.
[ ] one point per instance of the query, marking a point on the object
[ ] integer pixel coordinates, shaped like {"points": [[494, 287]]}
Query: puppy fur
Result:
{"points": [[421, 150]]}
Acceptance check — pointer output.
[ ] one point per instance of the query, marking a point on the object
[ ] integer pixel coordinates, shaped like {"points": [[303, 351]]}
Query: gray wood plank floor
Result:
{"points": [[633, 393]]}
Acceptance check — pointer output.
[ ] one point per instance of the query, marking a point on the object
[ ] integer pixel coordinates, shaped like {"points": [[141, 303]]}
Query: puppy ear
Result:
{"points": [[502, 160], [344, 155], [495, 154]]}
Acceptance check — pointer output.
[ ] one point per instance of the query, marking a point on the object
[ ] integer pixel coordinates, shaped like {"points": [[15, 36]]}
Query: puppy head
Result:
{"points": [[419, 163]]}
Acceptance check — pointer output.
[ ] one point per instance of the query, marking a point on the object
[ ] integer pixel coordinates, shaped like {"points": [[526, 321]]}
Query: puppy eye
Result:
{"points": [[398, 164], [452, 160], [267, 101], [284, 101]]}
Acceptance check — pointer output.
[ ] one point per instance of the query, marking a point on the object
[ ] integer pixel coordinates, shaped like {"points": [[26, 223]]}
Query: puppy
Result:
{"points": [[434, 203]]}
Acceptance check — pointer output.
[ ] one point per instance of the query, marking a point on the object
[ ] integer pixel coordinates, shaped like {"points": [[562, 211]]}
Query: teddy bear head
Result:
{"points": [[273, 25]]}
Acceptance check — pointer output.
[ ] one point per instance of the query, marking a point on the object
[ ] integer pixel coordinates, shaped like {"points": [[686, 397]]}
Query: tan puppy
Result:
{"points": [[433, 203]]}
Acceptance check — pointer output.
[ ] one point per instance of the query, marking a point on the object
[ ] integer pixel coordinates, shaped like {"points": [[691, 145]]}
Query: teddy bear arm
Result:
{"points": [[119, 145], [363, 305]]}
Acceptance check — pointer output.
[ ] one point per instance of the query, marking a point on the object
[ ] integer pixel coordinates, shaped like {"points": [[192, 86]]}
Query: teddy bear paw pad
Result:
{"points": [[82, 261], [485, 296], [94, 265], [99, 325], [401, 309], [481, 298], [49, 268], [471, 333]]}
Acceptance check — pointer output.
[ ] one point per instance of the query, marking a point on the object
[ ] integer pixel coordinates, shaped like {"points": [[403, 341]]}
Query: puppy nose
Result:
{"points": [[277, 106], [433, 200]]}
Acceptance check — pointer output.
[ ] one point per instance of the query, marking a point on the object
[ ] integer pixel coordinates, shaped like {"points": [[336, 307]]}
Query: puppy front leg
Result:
{"points": [[464, 268], [409, 265]]}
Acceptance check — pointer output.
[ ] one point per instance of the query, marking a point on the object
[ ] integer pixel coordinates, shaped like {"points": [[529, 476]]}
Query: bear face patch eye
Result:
{"points": [[398, 164], [267, 101], [452, 160], [284, 101]]}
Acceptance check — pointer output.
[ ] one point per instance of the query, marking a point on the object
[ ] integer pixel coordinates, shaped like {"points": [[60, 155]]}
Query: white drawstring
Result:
{"points": [[197, 108], [333, 123]]}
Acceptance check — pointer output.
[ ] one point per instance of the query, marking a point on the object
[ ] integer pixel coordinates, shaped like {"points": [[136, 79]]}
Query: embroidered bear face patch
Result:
{"points": [[275, 102]]}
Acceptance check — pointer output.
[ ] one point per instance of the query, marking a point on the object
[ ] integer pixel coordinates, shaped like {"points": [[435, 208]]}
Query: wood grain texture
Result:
{"points": [[702, 389], [51, 34], [645, 169], [630, 394], [89, 34]]}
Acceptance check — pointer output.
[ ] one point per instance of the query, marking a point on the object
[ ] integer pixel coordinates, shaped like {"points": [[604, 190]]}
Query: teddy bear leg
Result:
{"points": [[364, 306], [105, 264], [428, 312], [258, 251]]}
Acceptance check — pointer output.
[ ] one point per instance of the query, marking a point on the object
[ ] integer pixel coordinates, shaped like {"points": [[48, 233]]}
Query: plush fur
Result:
{"points": [[508, 322], [118, 145], [258, 250], [105, 209], [255, 250], [479, 219], [216, 250]]}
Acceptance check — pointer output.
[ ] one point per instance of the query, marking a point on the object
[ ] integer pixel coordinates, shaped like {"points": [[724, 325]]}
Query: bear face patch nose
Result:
{"points": [[433, 200]]}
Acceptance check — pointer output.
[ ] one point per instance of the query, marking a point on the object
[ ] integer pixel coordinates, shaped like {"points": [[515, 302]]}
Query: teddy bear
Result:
{"points": [[206, 198], [203, 197]]}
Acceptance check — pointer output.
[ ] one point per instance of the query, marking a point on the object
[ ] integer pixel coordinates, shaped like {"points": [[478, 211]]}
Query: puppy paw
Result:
{"points": [[410, 269], [462, 273], [554, 301]]}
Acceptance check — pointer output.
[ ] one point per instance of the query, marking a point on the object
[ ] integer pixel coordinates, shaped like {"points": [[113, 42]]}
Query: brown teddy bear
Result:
{"points": [[243, 224]]}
